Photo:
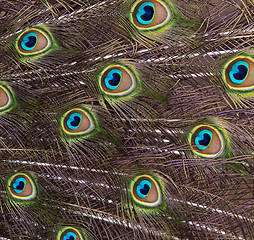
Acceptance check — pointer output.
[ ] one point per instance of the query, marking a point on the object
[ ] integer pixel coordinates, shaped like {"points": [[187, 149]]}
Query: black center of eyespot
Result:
{"points": [[76, 121], [71, 238], [20, 186], [31, 42], [115, 80], [149, 12], [241, 74], [145, 190], [206, 140]]}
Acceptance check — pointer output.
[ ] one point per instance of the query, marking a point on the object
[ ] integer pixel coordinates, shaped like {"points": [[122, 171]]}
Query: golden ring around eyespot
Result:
{"points": [[217, 136]]}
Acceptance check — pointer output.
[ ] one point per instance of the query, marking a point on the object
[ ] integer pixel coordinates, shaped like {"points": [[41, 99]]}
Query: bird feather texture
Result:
{"points": [[126, 119]]}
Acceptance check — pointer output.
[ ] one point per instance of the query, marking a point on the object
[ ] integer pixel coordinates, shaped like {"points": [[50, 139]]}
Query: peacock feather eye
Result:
{"points": [[146, 191], [117, 80], [239, 74], [207, 141], [150, 15], [77, 122], [33, 41], [69, 233], [22, 187], [6, 99]]}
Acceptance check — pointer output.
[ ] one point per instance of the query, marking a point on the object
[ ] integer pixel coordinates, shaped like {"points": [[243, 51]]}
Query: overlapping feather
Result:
{"points": [[84, 182]]}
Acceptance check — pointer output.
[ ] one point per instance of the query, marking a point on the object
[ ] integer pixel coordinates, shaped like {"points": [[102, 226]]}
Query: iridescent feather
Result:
{"points": [[126, 119]]}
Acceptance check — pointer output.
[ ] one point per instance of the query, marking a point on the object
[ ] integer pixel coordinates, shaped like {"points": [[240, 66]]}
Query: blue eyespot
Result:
{"points": [[19, 185], [117, 80], [113, 79], [151, 15], [144, 188], [145, 191], [145, 13], [70, 233], [7, 99], [208, 141], [74, 121], [203, 139], [70, 236], [239, 72], [29, 41], [77, 122]]}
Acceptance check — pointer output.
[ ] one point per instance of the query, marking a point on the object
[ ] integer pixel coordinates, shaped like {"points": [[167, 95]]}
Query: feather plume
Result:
{"points": [[126, 119]]}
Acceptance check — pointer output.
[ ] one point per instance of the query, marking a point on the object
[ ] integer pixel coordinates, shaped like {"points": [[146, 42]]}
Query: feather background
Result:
{"points": [[168, 156]]}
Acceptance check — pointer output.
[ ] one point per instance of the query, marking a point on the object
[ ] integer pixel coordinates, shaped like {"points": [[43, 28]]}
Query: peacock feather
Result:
{"points": [[126, 119]]}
